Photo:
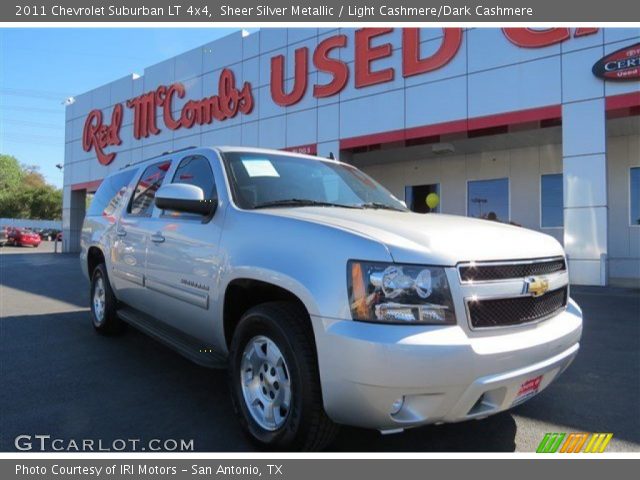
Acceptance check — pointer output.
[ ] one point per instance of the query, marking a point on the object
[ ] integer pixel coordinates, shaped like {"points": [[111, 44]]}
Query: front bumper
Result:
{"points": [[444, 374]]}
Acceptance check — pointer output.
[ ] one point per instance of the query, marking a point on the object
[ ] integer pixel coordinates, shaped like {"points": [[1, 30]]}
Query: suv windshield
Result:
{"points": [[262, 180]]}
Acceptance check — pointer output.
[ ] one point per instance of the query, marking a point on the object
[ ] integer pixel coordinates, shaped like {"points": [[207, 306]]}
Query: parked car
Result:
{"points": [[48, 234], [327, 299], [3, 236], [22, 237]]}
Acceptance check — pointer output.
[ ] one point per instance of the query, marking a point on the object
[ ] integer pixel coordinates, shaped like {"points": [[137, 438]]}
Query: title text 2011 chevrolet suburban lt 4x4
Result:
{"points": [[329, 301]]}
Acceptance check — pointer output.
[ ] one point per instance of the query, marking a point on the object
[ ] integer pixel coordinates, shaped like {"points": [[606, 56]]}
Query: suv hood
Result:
{"points": [[436, 239]]}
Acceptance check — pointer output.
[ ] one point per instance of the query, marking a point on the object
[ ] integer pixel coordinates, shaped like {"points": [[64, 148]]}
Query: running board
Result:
{"points": [[184, 344]]}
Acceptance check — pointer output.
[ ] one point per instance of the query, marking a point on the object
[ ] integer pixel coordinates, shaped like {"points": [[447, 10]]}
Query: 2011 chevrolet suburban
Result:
{"points": [[327, 299]]}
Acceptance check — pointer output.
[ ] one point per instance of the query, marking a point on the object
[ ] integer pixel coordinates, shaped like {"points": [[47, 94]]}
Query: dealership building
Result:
{"points": [[539, 128]]}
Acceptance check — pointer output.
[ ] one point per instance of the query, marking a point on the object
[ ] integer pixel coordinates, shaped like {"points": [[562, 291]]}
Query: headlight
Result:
{"points": [[395, 293]]}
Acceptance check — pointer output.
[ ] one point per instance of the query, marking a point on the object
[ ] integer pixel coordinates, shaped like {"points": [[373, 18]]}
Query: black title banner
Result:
{"points": [[243, 11]]}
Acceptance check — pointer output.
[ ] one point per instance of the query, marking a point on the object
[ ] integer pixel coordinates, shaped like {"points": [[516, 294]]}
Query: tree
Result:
{"points": [[24, 192], [10, 173], [44, 202], [32, 178]]}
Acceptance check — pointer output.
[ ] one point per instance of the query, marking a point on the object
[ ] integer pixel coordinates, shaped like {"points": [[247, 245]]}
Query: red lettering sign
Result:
{"points": [[412, 64], [226, 104], [144, 114], [337, 68], [365, 54], [98, 136], [311, 149], [530, 38], [299, 81], [229, 101]]}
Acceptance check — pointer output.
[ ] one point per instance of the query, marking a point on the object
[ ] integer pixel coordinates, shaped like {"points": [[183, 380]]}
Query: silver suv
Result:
{"points": [[327, 300]]}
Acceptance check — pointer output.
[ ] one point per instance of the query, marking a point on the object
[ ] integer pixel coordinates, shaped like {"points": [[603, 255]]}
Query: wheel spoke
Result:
{"points": [[251, 360], [269, 414], [279, 417], [258, 348], [274, 357], [247, 375]]}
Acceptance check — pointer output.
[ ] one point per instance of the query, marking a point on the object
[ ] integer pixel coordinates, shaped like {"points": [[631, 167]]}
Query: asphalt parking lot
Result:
{"points": [[59, 378]]}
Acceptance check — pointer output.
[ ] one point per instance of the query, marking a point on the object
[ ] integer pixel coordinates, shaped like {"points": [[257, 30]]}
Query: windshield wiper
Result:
{"points": [[301, 202], [380, 206]]}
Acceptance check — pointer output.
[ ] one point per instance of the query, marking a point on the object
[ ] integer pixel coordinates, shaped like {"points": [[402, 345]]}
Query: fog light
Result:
{"points": [[397, 405]]}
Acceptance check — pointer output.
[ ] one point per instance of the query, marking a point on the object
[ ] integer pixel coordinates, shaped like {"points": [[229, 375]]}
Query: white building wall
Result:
{"points": [[623, 237], [488, 76], [523, 167]]}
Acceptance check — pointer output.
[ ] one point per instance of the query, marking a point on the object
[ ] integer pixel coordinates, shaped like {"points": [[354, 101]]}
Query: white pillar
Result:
{"points": [[584, 147], [72, 218]]}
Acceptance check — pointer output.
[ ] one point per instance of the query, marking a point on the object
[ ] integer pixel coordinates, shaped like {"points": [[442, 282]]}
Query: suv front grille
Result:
{"points": [[504, 271], [503, 312]]}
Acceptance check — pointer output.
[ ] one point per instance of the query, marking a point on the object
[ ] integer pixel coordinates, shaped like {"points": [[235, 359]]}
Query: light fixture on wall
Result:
{"points": [[442, 148]]}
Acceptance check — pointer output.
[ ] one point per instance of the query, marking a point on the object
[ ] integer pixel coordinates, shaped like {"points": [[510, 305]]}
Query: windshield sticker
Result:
{"points": [[260, 168]]}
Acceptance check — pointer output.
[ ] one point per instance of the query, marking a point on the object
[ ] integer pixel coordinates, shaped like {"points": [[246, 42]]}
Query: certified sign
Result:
{"points": [[621, 65]]}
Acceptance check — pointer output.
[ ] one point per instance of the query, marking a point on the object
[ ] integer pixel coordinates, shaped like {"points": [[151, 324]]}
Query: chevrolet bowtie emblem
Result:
{"points": [[536, 286]]}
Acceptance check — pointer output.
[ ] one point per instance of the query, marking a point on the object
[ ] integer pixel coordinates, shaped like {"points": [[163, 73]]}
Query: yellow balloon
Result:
{"points": [[433, 200]]}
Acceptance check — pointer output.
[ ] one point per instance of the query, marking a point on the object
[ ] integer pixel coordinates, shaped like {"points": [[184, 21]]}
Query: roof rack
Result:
{"points": [[161, 155]]}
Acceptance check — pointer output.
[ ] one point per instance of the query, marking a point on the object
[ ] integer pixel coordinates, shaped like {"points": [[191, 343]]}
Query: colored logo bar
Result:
{"points": [[574, 442]]}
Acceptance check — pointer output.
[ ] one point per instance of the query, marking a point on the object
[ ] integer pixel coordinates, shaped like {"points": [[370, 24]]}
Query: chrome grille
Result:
{"points": [[487, 272], [500, 312]]}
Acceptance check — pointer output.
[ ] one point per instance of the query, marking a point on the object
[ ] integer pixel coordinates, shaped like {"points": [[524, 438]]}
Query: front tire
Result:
{"points": [[103, 303], [274, 379]]}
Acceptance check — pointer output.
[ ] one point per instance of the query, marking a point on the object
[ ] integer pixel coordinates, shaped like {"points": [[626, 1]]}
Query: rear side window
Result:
{"points": [[148, 185], [194, 170], [110, 194]]}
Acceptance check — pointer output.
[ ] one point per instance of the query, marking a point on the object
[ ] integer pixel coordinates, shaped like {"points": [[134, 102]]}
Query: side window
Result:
{"points": [[110, 193], [145, 192], [194, 170]]}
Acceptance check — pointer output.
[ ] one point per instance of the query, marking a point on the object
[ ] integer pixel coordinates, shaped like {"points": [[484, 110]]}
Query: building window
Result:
{"points": [[415, 196], [488, 199], [551, 201], [634, 191]]}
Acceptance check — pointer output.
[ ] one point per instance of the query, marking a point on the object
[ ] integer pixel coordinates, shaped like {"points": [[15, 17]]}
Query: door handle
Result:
{"points": [[157, 238], [121, 233]]}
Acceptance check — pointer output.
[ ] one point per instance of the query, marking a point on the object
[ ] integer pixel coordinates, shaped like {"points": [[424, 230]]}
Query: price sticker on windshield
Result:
{"points": [[260, 168]]}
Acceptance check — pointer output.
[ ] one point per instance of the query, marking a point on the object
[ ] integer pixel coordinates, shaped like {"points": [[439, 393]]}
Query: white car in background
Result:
{"points": [[329, 302]]}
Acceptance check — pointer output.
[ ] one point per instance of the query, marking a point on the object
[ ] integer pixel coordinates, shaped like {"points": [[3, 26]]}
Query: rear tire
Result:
{"points": [[104, 304], [277, 336]]}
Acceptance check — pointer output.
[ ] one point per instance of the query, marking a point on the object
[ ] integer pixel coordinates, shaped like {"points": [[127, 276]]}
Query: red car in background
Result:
{"points": [[22, 237]]}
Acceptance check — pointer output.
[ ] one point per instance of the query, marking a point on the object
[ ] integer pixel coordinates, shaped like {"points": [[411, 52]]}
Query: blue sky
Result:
{"points": [[39, 68]]}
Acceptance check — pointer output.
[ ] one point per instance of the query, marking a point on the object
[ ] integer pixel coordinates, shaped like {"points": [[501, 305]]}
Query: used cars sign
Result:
{"points": [[623, 64]]}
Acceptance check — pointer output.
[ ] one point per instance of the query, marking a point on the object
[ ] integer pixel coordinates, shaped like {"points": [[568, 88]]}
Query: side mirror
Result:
{"points": [[184, 198]]}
